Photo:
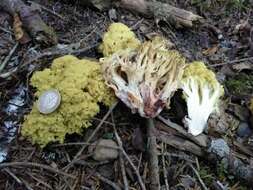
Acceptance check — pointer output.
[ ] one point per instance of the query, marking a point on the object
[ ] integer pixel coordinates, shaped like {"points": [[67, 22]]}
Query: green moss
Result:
{"points": [[240, 84], [118, 37], [81, 86], [207, 175], [214, 5]]}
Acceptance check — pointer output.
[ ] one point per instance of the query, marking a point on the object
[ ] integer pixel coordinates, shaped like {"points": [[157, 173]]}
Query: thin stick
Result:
{"points": [[13, 176], [7, 31], [48, 10], [83, 143], [36, 165], [183, 157], [109, 182], [121, 160], [232, 62], [135, 170], [40, 181], [164, 169], [153, 158], [97, 129], [92, 135], [2, 66], [198, 176]]}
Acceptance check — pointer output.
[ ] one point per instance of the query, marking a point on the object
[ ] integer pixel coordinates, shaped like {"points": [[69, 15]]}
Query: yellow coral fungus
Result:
{"points": [[118, 37], [81, 86]]}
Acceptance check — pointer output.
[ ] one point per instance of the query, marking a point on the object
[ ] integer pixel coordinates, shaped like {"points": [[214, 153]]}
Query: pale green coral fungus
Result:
{"points": [[81, 86], [118, 37]]}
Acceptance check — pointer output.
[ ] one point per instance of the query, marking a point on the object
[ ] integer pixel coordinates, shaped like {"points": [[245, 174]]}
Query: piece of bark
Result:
{"points": [[180, 143], [31, 21], [152, 155]]}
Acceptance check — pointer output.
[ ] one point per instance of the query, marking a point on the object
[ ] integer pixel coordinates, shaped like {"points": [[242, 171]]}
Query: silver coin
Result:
{"points": [[49, 101]]}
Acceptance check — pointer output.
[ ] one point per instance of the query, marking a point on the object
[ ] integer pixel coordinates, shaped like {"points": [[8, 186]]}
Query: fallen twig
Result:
{"points": [[180, 143], [122, 165], [183, 132], [92, 135], [109, 182], [135, 170], [232, 62], [164, 169], [36, 165], [47, 10], [8, 57], [19, 181], [7, 31], [153, 158], [198, 176]]}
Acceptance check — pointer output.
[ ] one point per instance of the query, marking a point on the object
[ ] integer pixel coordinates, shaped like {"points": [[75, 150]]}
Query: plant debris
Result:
{"points": [[219, 33]]}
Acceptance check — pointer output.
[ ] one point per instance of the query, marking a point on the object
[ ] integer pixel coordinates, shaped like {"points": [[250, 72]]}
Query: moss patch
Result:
{"points": [[241, 84]]}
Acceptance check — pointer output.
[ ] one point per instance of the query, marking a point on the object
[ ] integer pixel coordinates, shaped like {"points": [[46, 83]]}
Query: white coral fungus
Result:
{"points": [[144, 78], [202, 92]]}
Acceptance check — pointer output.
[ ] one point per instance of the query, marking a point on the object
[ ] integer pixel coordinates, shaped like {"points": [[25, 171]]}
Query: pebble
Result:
{"points": [[219, 147], [244, 130], [103, 153]]}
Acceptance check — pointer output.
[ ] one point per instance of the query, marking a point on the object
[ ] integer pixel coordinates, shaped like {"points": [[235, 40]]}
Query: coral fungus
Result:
{"points": [[81, 86], [144, 78], [118, 37], [202, 92]]}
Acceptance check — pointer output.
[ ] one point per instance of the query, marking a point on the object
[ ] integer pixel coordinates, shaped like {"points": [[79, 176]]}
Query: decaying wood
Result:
{"points": [[180, 143], [200, 140], [162, 11], [159, 11], [153, 156], [31, 21]]}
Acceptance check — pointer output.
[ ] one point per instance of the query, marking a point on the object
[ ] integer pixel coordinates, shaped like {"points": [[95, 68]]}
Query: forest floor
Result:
{"points": [[224, 42]]}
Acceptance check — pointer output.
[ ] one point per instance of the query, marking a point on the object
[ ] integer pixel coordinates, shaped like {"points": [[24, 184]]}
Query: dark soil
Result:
{"points": [[225, 37]]}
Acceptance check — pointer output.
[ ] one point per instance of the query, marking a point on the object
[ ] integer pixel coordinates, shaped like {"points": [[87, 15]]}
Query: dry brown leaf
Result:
{"points": [[19, 33], [211, 50]]}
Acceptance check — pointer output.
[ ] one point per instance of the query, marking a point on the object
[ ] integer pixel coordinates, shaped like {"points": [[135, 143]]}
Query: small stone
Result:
{"points": [[49, 101], [219, 147], [113, 14], [244, 130], [106, 149]]}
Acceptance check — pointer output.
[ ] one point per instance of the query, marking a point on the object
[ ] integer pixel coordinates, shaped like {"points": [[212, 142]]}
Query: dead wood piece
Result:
{"points": [[31, 20], [162, 11], [200, 140], [153, 155], [177, 17], [180, 143]]}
